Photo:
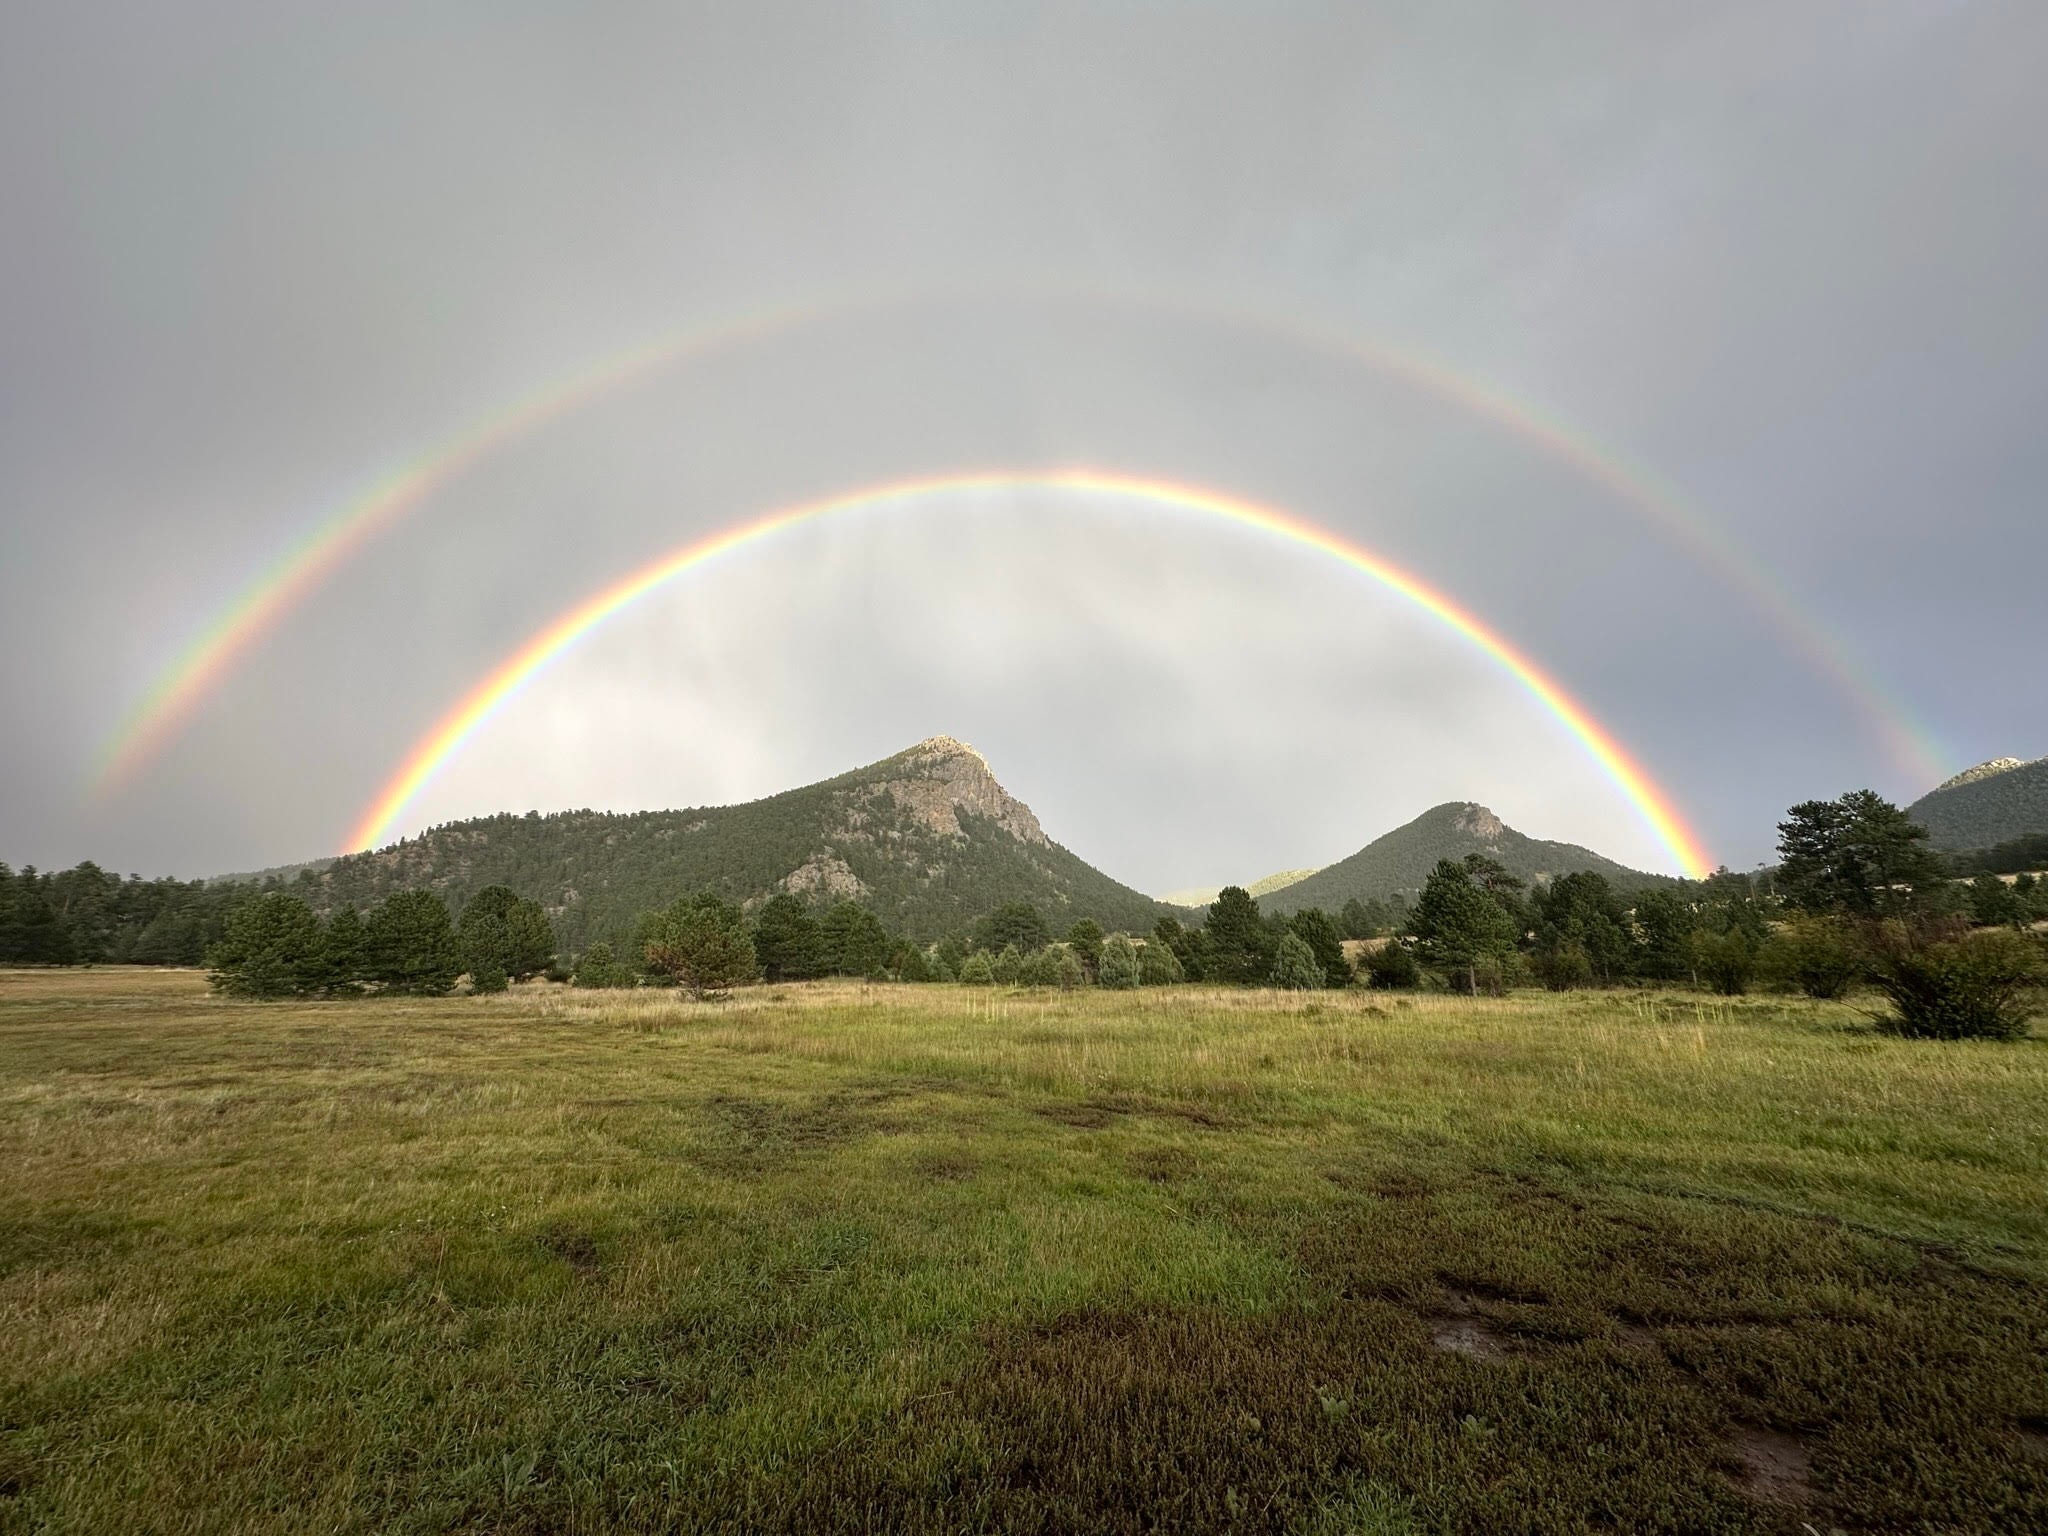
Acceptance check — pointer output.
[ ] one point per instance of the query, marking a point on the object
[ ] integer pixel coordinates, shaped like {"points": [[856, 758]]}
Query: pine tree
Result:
{"points": [[1459, 925], [1318, 930], [1240, 946], [787, 939], [410, 945], [273, 948], [701, 943]]}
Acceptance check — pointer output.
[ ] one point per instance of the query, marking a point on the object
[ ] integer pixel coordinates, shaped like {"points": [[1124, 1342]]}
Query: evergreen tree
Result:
{"points": [[1318, 930], [1240, 945], [344, 952], [1580, 912], [272, 948], [1995, 904], [1085, 940], [787, 939], [1067, 972], [1664, 924], [1117, 966], [1391, 966], [975, 970], [501, 931], [1458, 926], [853, 940], [1189, 947], [1294, 964], [600, 968], [1860, 855], [701, 943], [1014, 922], [410, 945]]}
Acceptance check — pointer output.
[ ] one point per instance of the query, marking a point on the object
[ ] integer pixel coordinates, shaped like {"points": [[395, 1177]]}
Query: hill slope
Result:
{"points": [[928, 839], [1399, 862], [1992, 803], [1202, 896]]}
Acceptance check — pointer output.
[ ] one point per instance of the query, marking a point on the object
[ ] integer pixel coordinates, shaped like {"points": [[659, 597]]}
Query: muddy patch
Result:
{"points": [[2033, 1435], [1459, 1329], [1774, 1466]]}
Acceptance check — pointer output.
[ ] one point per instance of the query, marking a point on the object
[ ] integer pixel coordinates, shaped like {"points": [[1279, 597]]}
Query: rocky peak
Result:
{"points": [[1997, 765], [941, 777], [1477, 821]]}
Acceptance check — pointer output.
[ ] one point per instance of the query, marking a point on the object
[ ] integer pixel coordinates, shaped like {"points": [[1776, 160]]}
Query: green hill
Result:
{"points": [[1202, 896], [928, 839], [1995, 802], [1399, 862]]}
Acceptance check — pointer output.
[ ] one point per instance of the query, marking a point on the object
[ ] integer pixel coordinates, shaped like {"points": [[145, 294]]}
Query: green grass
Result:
{"points": [[895, 1259]]}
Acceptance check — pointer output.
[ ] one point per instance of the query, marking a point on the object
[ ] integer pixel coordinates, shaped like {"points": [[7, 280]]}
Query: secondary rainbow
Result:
{"points": [[198, 668], [448, 736]]}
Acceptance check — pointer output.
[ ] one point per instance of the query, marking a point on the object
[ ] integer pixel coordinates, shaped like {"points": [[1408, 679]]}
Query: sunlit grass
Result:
{"points": [[849, 1257]]}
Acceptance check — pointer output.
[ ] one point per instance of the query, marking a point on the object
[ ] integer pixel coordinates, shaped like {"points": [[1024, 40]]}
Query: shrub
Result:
{"points": [[1067, 972], [1946, 984], [1116, 964], [599, 967], [1158, 965], [1565, 967], [975, 971], [1294, 965], [1819, 956], [487, 975], [1725, 961], [1392, 966], [1008, 966]]}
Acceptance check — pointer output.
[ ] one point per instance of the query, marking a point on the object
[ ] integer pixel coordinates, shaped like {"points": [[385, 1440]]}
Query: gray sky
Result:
{"points": [[1790, 262]]}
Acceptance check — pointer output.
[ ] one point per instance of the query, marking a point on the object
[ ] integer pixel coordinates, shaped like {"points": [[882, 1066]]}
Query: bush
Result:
{"points": [[1392, 966], [975, 971], [1158, 965], [1294, 965], [487, 975], [1726, 962], [1819, 956], [1116, 964], [1946, 984], [1067, 972], [1564, 968], [599, 967]]}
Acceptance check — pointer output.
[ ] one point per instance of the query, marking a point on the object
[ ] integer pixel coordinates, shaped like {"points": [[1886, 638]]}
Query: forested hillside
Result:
{"points": [[926, 839], [1399, 863], [1994, 803]]}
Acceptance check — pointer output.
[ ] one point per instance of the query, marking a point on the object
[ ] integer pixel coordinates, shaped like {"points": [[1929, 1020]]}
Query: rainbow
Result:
{"points": [[205, 662], [455, 728], [263, 602]]}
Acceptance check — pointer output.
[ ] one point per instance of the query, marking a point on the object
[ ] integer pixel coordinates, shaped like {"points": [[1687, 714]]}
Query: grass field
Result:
{"points": [[926, 1259]]}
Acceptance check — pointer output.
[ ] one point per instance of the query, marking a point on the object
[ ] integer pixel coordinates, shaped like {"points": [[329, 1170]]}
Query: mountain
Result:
{"points": [[1992, 803], [1202, 896], [928, 839], [1399, 862]]}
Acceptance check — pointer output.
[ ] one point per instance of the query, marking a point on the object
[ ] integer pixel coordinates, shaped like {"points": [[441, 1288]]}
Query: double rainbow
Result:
{"points": [[449, 735], [201, 665]]}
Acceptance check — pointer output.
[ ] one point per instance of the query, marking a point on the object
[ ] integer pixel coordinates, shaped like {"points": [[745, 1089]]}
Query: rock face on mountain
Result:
{"points": [[1398, 863], [1981, 807], [928, 838]]}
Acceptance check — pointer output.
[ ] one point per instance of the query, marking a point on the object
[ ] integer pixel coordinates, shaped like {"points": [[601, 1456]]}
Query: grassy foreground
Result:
{"points": [[926, 1259]]}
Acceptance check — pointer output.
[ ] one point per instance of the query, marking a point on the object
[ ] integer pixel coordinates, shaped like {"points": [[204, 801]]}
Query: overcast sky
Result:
{"points": [[1788, 262]]}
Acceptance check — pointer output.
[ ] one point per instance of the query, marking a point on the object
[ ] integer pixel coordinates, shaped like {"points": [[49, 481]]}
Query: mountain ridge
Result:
{"points": [[928, 838], [1981, 807], [1397, 863]]}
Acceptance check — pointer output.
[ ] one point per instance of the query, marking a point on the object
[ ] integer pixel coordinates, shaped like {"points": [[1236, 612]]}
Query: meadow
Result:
{"points": [[925, 1259]]}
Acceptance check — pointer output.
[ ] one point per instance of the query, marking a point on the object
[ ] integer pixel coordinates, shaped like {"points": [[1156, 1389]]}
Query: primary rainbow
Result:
{"points": [[455, 728], [263, 602]]}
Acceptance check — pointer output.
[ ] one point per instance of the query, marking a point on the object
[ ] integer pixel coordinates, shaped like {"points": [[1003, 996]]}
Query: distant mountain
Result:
{"points": [[1202, 896], [1993, 803], [1398, 863], [928, 839]]}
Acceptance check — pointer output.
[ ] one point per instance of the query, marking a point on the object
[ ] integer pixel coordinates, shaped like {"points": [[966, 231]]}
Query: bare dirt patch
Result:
{"points": [[1775, 1466]]}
